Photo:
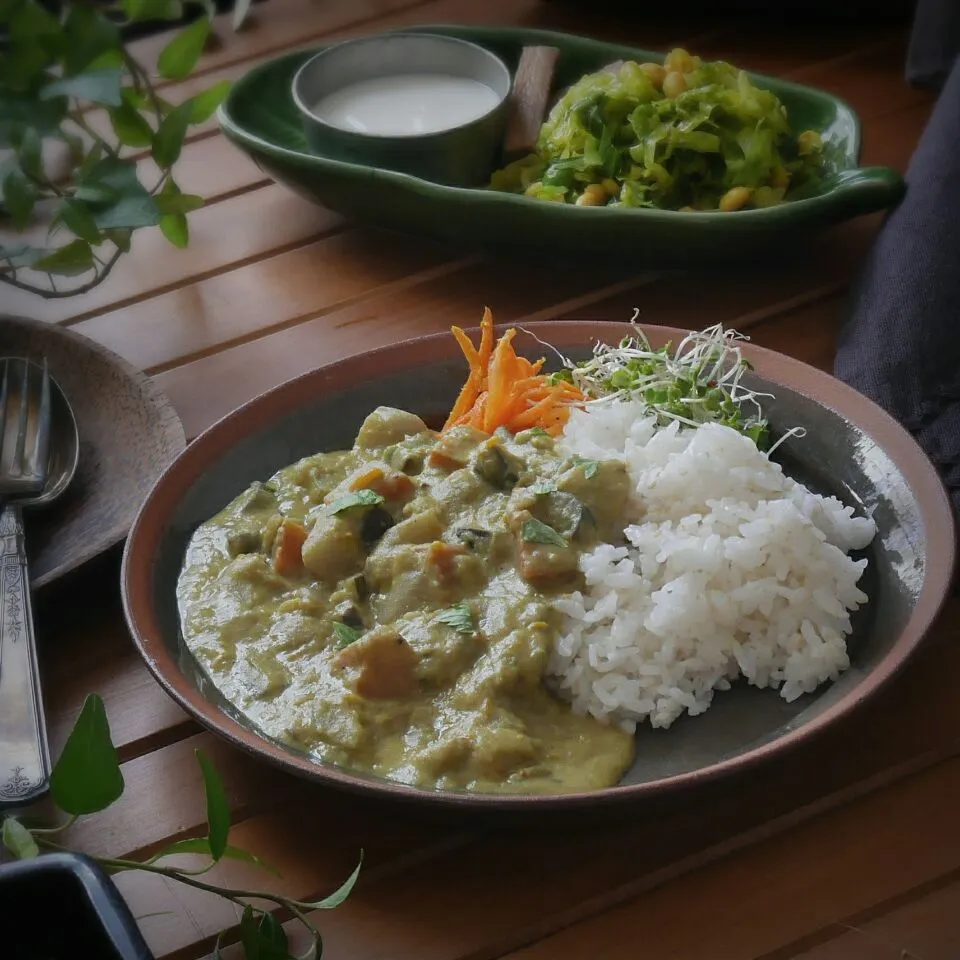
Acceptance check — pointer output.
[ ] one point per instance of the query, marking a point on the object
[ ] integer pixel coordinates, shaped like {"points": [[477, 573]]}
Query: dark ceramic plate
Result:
{"points": [[853, 449], [260, 116], [128, 434]]}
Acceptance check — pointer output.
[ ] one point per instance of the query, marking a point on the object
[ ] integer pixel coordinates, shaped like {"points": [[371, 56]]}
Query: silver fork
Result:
{"points": [[25, 424], [24, 469]]}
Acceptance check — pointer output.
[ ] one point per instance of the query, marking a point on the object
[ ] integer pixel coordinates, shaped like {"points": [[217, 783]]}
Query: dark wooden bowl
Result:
{"points": [[852, 449]]}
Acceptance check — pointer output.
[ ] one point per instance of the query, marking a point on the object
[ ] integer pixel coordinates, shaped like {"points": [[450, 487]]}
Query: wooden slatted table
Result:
{"points": [[850, 848]]}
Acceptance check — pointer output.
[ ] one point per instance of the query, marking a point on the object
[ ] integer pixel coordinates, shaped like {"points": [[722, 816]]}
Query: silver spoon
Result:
{"points": [[24, 752]]}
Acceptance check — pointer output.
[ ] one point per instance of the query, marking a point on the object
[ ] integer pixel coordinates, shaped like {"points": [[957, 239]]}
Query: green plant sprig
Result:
{"points": [[53, 71], [87, 779]]}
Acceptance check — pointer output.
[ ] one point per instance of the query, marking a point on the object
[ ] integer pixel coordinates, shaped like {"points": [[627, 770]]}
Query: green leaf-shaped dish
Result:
{"points": [[260, 117]]}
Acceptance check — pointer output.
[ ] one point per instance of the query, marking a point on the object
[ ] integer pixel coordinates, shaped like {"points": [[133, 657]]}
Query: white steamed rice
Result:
{"points": [[731, 569]]}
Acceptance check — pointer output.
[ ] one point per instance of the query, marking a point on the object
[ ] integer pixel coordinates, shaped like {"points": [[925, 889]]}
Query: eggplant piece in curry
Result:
{"points": [[391, 608]]}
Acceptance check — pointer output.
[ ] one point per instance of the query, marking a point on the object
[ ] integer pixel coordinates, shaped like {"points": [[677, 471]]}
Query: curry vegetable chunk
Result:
{"points": [[391, 608]]}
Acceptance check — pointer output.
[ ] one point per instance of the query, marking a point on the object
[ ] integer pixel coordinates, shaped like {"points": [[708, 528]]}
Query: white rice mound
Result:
{"points": [[731, 569]]}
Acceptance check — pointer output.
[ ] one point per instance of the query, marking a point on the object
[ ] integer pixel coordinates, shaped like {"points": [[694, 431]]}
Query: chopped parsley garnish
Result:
{"points": [[361, 498], [345, 635], [460, 617], [534, 531], [590, 468], [542, 487]]}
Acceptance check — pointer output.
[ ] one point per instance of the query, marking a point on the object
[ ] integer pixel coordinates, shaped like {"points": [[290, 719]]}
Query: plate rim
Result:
{"points": [[172, 427], [136, 578]]}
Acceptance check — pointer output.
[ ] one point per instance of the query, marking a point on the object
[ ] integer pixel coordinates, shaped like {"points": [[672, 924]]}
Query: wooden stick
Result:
{"points": [[531, 91]]}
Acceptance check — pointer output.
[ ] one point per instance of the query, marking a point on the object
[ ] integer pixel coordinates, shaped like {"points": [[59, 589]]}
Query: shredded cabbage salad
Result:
{"points": [[685, 135]]}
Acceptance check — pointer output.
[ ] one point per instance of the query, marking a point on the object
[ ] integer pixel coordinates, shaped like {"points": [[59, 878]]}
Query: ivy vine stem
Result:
{"points": [[73, 78], [189, 878], [87, 779]]}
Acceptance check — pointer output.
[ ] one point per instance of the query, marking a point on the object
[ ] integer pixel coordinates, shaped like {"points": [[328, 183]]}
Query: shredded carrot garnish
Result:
{"points": [[505, 390]]}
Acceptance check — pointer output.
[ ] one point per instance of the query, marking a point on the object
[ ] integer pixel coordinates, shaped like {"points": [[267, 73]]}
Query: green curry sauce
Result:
{"points": [[391, 608]]}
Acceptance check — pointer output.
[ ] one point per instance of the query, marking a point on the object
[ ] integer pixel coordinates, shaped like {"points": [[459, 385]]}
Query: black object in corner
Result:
{"points": [[62, 906]]}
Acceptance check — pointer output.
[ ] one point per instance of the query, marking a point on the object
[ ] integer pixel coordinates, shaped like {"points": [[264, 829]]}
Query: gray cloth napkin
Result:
{"points": [[934, 42], [900, 343]]}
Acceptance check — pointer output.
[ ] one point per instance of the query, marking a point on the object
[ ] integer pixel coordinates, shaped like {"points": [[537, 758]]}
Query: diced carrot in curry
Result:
{"points": [[442, 556], [387, 665], [367, 479], [394, 486], [288, 548], [391, 486], [436, 458]]}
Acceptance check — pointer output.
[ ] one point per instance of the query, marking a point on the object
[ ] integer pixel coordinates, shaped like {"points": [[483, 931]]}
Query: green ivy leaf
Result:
{"points": [[273, 939], [180, 55], [179, 203], [171, 201], [19, 197], [262, 936], [249, 940], [77, 217], [20, 254], [107, 59], [87, 777], [90, 161], [22, 66], [19, 840], [117, 197], [138, 10], [338, 895], [175, 228], [168, 140], [120, 237], [90, 35], [131, 127], [19, 111], [201, 845], [28, 153], [96, 193], [70, 260], [93, 86], [31, 22], [203, 105], [135, 98], [218, 809]]}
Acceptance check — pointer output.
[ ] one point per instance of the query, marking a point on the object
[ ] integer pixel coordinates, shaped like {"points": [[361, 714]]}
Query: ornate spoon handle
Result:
{"points": [[24, 754]]}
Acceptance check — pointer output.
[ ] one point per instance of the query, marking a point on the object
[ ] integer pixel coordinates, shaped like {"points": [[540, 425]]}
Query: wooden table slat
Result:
{"points": [[924, 927], [751, 905]]}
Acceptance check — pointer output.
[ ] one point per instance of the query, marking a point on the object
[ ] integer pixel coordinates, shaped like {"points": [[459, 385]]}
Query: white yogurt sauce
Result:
{"points": [[407, 104]]}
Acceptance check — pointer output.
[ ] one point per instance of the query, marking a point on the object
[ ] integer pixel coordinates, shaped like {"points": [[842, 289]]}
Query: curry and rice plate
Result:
{"points": [[496, 605]]}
